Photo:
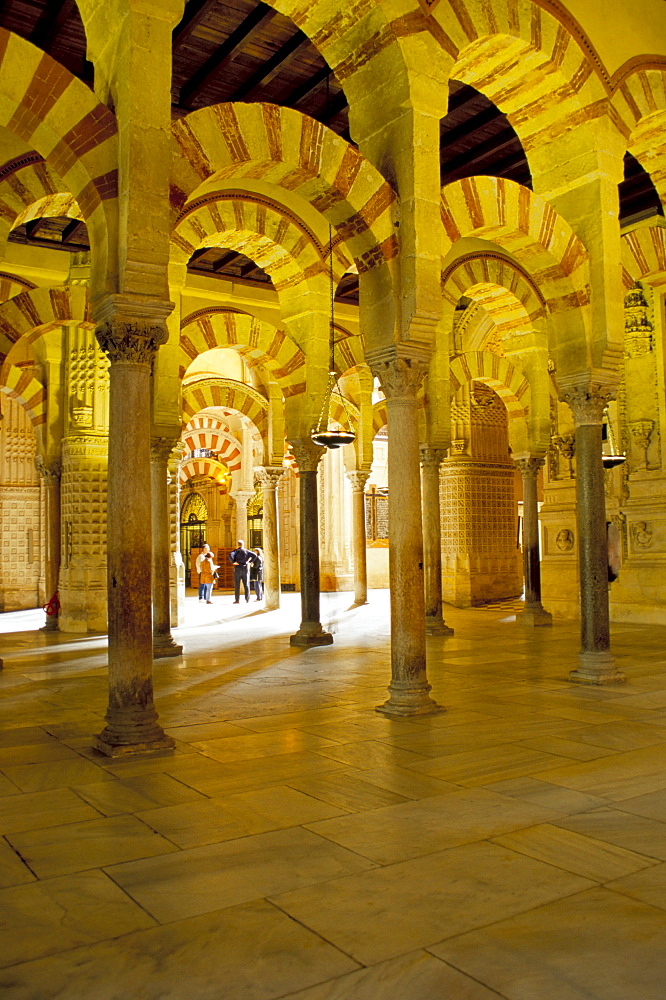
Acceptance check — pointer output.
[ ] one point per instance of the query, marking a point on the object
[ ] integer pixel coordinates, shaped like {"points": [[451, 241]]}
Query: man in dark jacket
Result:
{"points": [[242, 559]]}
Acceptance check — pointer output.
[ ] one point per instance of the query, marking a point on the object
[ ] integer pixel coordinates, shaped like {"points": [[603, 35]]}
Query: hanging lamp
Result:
{"points": [[324, 434], [614, 457]]}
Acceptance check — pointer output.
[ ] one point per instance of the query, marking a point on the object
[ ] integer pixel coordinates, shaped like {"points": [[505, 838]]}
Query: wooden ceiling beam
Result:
{"points": [[333, 108], [481, 151], [195, 11], [457, 132], [70, 230], [51, 19], [225, 53], [306, 88], [224, 260], [270, 69]]}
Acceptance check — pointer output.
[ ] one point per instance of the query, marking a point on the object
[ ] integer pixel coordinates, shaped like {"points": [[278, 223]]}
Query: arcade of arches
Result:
{"points": [[506, 337]]}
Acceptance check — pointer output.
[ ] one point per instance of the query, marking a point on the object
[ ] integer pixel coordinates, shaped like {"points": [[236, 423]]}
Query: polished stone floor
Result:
{"points": [[297, 844]]}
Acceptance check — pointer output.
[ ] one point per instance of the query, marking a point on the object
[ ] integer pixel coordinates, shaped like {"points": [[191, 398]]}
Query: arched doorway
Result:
{"points": [[193, 519]]}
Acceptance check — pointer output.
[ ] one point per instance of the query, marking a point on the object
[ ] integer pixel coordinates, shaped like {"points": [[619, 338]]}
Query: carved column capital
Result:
{"points": [[587, 400], [529, 465], [565, 445], [268, 476], [161, 448], [130, 342], [431, 458], [307, 455], [400, 378], [358, 479], [50, 472]]}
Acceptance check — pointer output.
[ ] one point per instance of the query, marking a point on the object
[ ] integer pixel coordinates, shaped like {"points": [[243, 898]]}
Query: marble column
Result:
{"points": [[534, 613], [400, 380], [50, 473], [163, 642], [269, 477], [310, 631], [431, 460], [596, 664], [358, 479], [130, 344], [242, 498]]}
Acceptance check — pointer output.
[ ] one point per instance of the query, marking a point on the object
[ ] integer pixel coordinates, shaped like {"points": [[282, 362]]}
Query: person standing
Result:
{"points": [[242, 560], [257, 573], [200, 558], [207, 576]]}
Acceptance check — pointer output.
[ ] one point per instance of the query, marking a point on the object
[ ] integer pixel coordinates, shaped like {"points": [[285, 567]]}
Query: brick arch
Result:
{"points": [[254, 339], [379, 416], [539, 68], [639, 100], [644, 254], [11, 285], [26, 181], [217, 471], [295, 153], [222, 442], [53, 112], [349, 351], [344, 412], [492, 269], [229, 394], [541, 242], [20, 384], [34, 312], [507, 381], [58, 205]]}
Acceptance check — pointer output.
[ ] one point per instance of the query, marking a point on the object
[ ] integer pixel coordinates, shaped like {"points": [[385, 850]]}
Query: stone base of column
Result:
{"points": [[122, 744], [165, 645], [311, 634], [409, 698], [50, 625], [596, 668], [535, 615], [437, 626]]}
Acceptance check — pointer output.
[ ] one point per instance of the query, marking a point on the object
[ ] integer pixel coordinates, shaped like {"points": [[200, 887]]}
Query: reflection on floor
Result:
{"points": [[299, 845]]}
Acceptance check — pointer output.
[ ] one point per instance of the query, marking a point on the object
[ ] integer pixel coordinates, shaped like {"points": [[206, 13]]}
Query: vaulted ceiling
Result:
{"points": [[243, 50]]}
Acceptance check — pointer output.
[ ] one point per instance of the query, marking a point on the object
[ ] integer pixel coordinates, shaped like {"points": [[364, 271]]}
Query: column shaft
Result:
{"points": [[359, 540], [269, 479], [431, 460], [409, 687], [163, 642], [131, 716], [534, 613], [51, 478], [310, 631], [596, 662]]}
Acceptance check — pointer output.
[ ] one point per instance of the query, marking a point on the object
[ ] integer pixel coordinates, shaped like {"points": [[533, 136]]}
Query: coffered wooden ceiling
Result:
{"points": [[241, 50]]}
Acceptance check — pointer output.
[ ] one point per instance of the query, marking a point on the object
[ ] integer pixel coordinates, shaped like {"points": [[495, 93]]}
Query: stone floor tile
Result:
{"points": [[210, 821], [568, 747], [389, 911], [76, 847], [413, 829], [480, 767], [406, 783], [621, 735], [37, 810], [36, 753], [60, 913], [262, 772], [205, 731], [622, 776], [209, 878], [13, 871], [563, 800], [346, 791], [56, 774], [8, 787], [635, 833], [416, 976], [652, 805], [26, 735], [130, 795], [586, 856], [648, 885], [592, 946], [252, 952], [369, 754], [253, 745]]}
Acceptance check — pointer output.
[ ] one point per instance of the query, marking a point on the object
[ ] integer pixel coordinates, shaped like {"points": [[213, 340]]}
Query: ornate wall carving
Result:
{"points": [[20, 511]]}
